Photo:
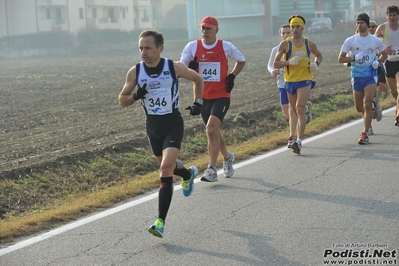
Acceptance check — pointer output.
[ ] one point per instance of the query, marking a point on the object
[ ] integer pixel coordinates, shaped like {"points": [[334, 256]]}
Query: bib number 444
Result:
{"points": [[209, 72]]}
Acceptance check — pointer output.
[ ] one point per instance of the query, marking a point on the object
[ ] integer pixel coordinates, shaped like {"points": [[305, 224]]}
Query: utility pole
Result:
{"points": [[37, 18], [7, 31], [67, 17]]}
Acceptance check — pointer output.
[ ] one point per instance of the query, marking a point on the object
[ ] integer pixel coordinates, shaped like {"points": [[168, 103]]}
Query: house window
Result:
{"points": [[58, 13], [154, 12], [58, 16], [81, 15], [111, 15], [94, 12], [48, 13], [123, 13], [357, 4]]}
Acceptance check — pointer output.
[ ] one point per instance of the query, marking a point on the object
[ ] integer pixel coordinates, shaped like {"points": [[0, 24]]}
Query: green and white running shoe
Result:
{"points": [[188, 185], [157, 228]]}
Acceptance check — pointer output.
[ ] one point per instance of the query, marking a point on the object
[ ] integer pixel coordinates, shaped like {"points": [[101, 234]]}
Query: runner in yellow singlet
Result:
{"points": [[298, 72]]}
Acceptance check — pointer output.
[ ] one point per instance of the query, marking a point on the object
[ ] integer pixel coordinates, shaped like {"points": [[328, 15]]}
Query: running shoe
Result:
{"points": [[396, 115], [378, 111], [384, 94], [296, 147], [371, 131], [397, 121], [188, 185], [157, 228], [308, 112], [364, 139], [210, 175], [228, 166], [291, 141], [373, 108]]}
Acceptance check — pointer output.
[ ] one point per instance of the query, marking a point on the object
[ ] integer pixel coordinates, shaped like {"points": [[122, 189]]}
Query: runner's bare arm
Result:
{"points": [[342, 58], [315, 51], [238, 66], [126, 95], [380, 31], [282, 48], [382, 56], [182, 71]]}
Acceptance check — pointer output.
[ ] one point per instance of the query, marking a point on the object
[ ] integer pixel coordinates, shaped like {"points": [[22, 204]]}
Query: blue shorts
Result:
{"points": [[283, 96], [358, 84], [292, 87]]}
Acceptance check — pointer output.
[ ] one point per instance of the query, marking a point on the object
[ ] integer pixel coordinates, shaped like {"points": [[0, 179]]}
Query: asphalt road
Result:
{"points": [[337, 201]]}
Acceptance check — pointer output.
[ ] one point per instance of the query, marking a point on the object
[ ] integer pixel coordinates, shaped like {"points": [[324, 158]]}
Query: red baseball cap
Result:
{"points": [[209, 22]]}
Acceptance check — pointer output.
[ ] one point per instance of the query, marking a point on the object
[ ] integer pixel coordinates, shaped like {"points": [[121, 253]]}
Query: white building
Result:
{"points": [[236, 18], [19, 17]]}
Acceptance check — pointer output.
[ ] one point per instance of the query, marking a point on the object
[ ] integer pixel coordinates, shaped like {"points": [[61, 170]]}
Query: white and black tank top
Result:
{"points": [[162, 86]]}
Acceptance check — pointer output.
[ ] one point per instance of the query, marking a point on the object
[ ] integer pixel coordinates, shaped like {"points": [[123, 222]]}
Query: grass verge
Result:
{"points": [[66, 195]]}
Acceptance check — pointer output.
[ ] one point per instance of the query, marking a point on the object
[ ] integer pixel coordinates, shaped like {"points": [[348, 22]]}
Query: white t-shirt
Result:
{"points": [[367, 48], [229, 49], [392, 39], [280, 75]]}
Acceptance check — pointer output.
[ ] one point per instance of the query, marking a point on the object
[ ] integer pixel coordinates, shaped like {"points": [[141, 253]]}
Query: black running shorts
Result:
{"points": [[381, 75], [164, 131], [391, 68], [216, 107]]}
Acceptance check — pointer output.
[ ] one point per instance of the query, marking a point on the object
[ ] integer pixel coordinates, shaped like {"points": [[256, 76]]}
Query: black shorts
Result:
{"points": [[391, 68], [381, 75], [164, 131], [217, 107]]}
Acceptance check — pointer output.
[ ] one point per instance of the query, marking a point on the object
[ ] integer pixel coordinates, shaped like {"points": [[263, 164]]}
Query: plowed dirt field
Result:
{"points": [[57, 110]]}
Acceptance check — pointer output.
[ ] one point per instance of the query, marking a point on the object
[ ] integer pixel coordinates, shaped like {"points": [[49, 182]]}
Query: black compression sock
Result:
{"points": [[165, 196], [183, 172]]}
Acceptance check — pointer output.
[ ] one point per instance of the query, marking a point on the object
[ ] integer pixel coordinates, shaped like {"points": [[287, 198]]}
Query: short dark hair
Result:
{"points": [[296, 16], [283, 27], [392, 9], [158, 37]]}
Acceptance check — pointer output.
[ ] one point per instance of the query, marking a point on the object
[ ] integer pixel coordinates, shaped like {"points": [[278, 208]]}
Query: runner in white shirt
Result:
{"points": [[363, 48], [389, 32]]}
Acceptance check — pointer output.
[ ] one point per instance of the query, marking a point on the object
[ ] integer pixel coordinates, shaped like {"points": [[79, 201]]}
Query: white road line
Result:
{"points": [[133, 203]]}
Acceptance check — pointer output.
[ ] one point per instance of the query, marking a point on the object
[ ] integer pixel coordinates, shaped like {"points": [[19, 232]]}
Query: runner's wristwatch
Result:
{"points": [[198, 101]]}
